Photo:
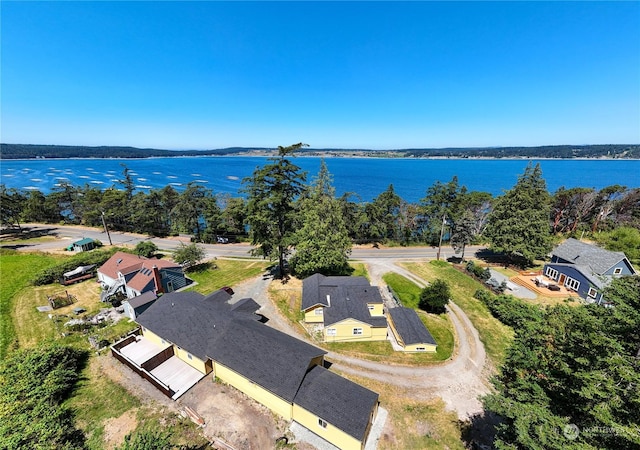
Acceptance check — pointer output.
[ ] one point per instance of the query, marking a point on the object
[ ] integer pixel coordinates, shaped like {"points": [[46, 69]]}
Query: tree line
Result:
{"points": [[279, 210], [33, 151]]}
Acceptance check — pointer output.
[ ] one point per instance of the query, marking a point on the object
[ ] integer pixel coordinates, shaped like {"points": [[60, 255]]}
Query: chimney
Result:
{"points": [[156, 278]]}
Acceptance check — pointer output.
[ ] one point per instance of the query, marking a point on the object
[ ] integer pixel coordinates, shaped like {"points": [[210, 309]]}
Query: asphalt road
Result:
{"points": [[68, 234]]}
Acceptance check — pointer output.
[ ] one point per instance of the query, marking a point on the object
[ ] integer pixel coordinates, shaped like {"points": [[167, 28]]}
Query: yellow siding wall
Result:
{"points": [[344, 332], [332, 434], [194, 362], [180, 353], [259, 394], [311, 316], [428, 348], [152, 337], [377, 311]]}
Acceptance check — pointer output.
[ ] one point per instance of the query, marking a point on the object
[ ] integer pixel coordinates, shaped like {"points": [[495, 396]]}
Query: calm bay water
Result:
{"points": [[366, 177]]}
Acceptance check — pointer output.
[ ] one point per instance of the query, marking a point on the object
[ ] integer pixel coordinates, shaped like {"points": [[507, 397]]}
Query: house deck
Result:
{"points": [[529, 281], [173, 373], [178, 375], [142, 350]]}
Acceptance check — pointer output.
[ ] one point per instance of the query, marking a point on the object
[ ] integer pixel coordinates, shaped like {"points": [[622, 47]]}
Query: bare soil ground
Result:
{"points": [[229, 415], [117, 428]]}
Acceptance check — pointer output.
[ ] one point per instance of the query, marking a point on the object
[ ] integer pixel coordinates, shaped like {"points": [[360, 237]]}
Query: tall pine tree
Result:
{"points": [[322, 241], [519, 224], [271, 193]]}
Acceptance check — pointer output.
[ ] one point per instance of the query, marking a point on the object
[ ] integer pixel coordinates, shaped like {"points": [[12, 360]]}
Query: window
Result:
{"points": [[189, 356], [317, 311], [592, 292], [331, 331], [420, 349], [551, 273], [322, 423], [371, 307], [357, 331], [617, 271], [572, 284]]}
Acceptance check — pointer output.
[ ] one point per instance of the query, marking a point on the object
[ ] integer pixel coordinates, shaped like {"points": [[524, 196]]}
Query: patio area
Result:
{"points": [[178, 375], [543, 285], [157, 364]]}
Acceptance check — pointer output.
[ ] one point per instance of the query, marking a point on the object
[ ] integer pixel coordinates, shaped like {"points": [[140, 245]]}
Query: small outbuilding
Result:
{"points": [[83, 245], [410, 332]]}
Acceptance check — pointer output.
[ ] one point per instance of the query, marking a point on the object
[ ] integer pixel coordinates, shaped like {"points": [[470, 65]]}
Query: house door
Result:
{"points": [[562, 278]]}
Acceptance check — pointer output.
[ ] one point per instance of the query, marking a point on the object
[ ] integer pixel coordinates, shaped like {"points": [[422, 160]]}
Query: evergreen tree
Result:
{"points": [[442, 200], [519, 223], [463, 232], [382, 215], [271, 192], [322, 241], [576, 368]]}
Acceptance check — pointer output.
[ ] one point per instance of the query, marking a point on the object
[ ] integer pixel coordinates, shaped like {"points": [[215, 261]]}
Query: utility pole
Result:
{"points": [[441, 234], [106, 230]]}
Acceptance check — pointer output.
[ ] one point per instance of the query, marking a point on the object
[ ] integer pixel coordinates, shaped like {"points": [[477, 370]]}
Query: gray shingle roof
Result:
{"points": [[311, 295], [231, 335], [341, 402], [410, 327], [580, 253], [142, 299], [350, 302], [343, 298]]}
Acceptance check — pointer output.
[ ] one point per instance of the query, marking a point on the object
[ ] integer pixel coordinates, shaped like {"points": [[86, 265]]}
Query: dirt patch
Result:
{"points": [[233, 417], [117, 428], [228, 413]]}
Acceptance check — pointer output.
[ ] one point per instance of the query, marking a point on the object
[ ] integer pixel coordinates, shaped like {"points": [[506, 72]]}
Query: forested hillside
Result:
{"points": [[28, 151]]}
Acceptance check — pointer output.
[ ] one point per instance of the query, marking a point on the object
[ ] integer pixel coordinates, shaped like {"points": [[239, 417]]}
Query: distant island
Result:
{"points": [[612, 151]]}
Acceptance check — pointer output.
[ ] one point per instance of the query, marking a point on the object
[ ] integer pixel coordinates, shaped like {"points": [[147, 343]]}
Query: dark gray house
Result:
{"points": [[586, 269]]}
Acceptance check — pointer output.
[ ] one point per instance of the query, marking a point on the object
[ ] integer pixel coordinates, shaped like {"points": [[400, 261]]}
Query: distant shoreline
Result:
{"points": [[560, 152]]}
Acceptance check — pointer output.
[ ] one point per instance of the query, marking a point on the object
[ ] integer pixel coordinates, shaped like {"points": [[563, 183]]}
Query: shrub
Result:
{"points": [[53, 274], [435, 297]]}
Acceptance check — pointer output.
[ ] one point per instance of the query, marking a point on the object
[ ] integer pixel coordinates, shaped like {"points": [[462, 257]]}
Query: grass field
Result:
{"points": [[16, 269], [407, 291], [229, 272], [495, 336]]}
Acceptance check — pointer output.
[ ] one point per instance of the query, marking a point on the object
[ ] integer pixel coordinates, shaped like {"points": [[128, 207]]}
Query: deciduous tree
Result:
{"points": [[189, 255], [435, 297]]}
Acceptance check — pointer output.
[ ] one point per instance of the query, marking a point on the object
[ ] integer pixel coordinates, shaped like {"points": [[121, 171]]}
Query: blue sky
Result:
{"points": [[381, 75]]}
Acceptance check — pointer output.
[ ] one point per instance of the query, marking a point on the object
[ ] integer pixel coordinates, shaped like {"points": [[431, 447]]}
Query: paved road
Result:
{"points": [[69, 234], [458, 381]]}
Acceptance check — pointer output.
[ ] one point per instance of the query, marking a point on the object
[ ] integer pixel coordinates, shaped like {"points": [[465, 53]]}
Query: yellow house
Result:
{"points": [[279, 371], [349, 308], [409, 331]]}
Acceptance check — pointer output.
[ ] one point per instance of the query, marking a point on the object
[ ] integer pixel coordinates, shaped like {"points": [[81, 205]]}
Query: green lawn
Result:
{"points": [[407, 291], [16, 270], [229, 272], [438, 325], [495, 336]]}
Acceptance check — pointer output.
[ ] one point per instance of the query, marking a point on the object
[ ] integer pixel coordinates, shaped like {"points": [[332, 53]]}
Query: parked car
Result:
{"points": [[222, 240]]}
